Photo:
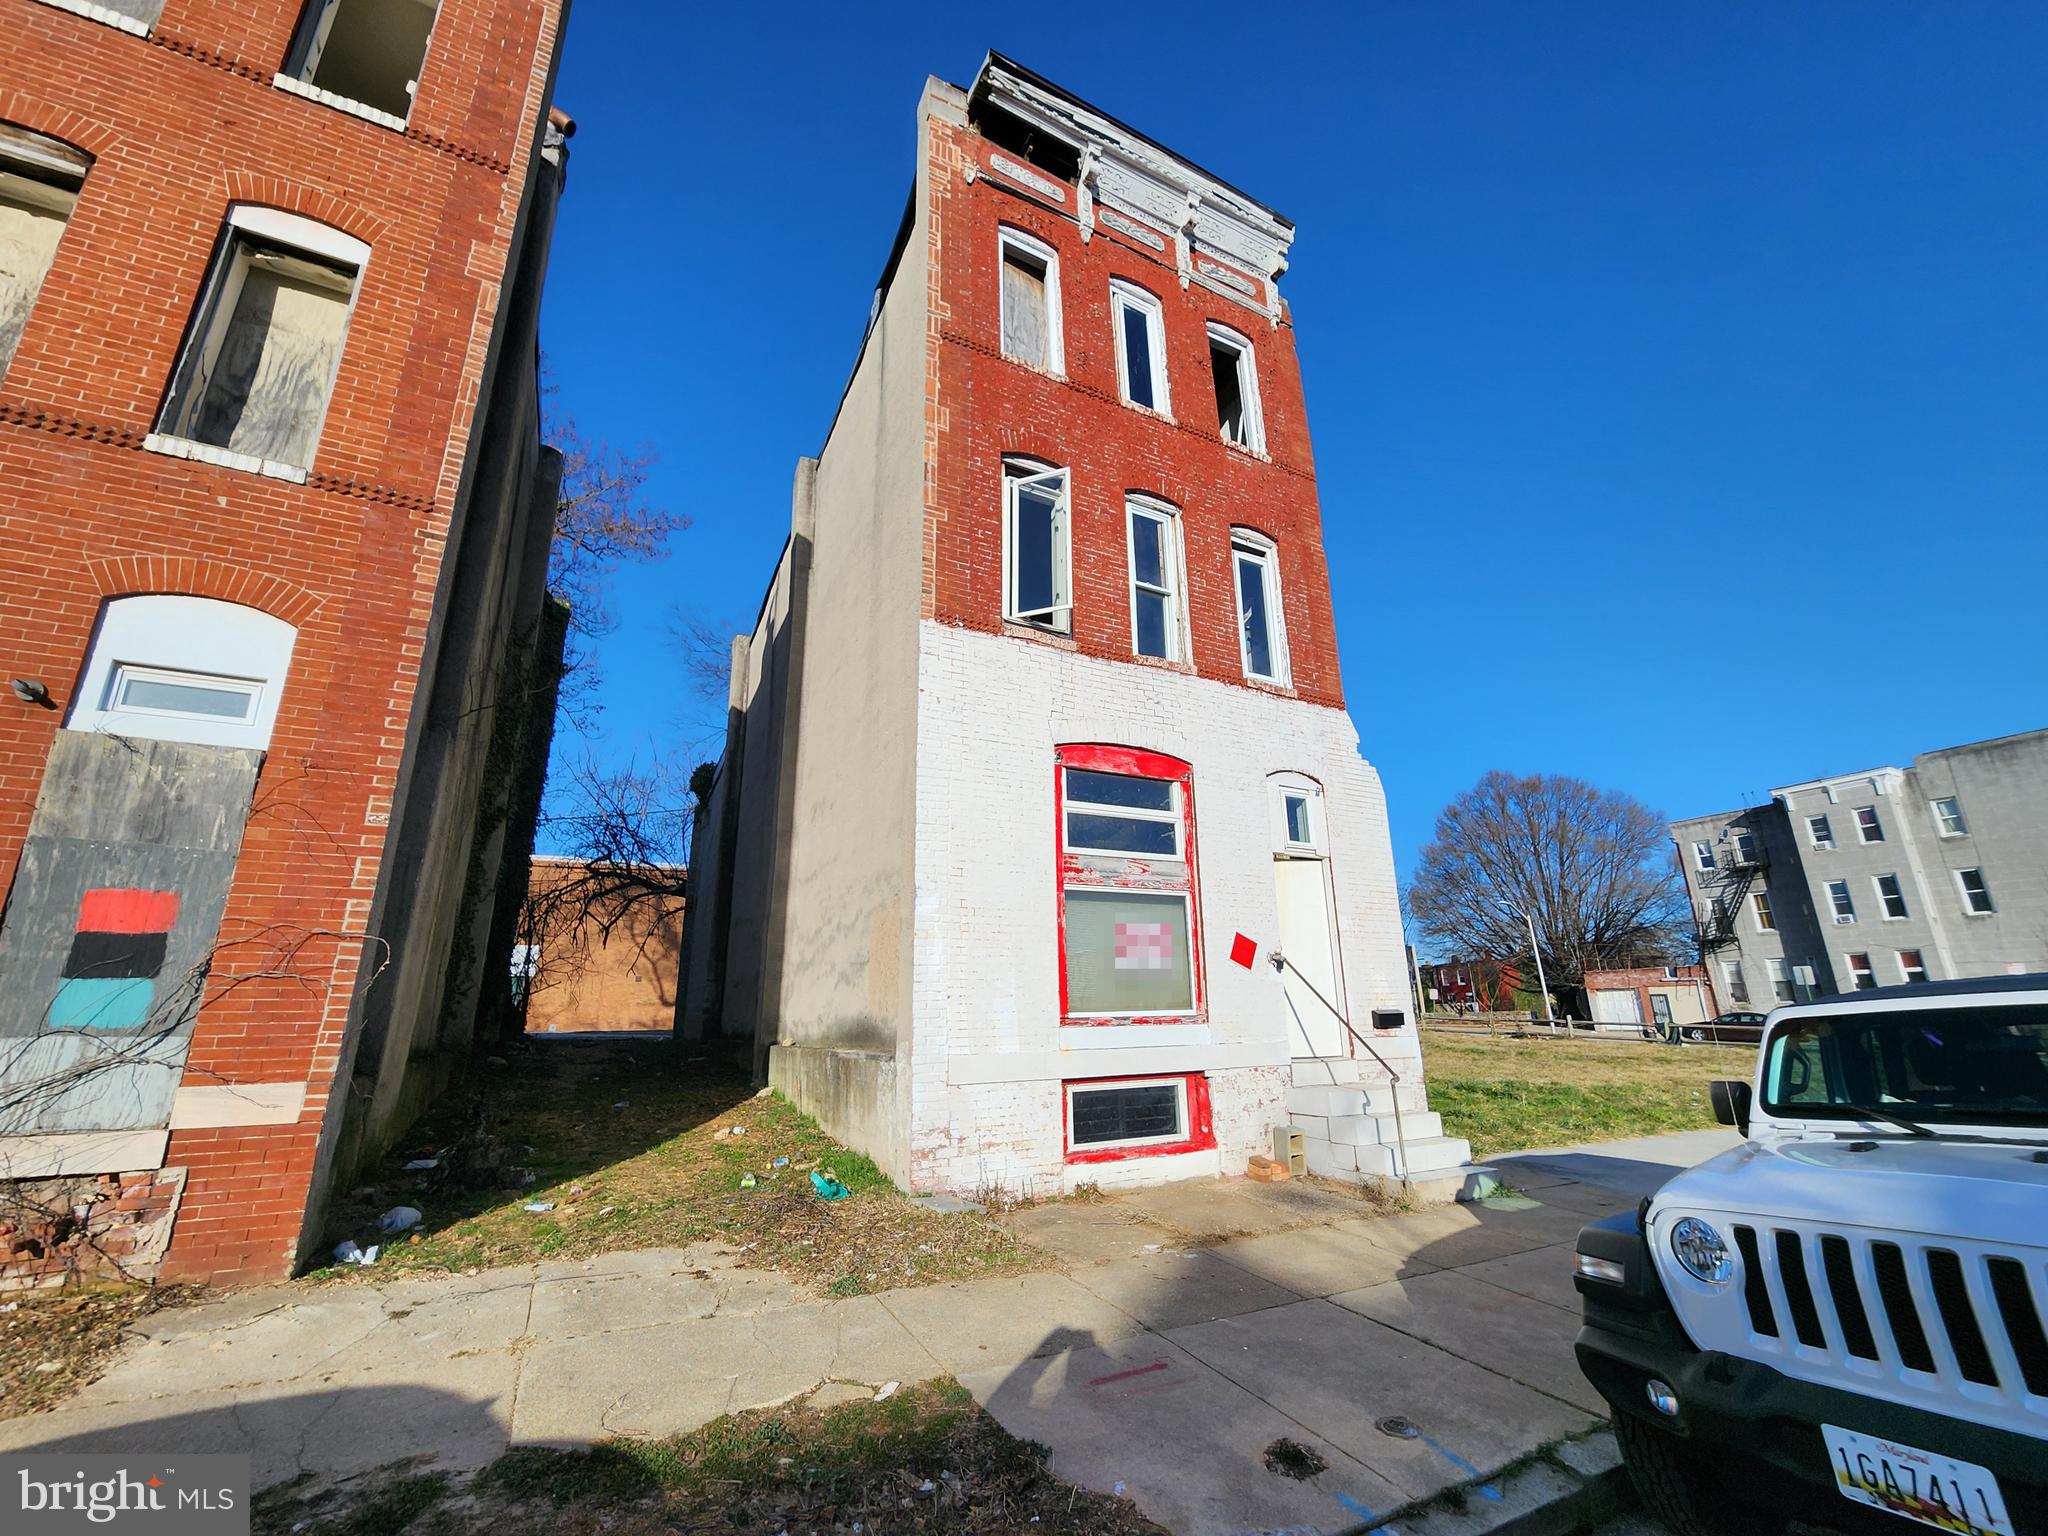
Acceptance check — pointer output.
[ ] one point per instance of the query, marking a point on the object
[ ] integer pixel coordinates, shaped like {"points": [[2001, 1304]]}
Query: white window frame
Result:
{"points": [[1884, 901], [1297, 786], [1840, 896], [1037, 250], [198, 638], [1856, 976], [1083, 1085], [1187, 901], [1735, 983], [211, 316], [1247, 387], [1970, 909], [1905, 972], [1171, 571], [1703, 858], [1018, 473], [1823, 837], [302, 60], [1874, 831], [1174, 816], [1942, 827], [1783, 988], [1126, 296], [1739, 839], [1245, 544], [251, 690], [1760, 910]]}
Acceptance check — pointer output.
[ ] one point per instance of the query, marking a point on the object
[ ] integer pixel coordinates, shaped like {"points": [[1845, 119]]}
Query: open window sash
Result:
{"points": [[1040, 582]]}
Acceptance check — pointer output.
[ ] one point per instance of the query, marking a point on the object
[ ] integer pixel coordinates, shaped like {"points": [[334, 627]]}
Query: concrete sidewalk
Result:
{"points": [[1195, 1325]]}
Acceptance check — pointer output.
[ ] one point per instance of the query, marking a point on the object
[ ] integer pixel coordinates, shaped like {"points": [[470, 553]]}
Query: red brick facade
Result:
{"points": [[182, 124], [989, 405]]}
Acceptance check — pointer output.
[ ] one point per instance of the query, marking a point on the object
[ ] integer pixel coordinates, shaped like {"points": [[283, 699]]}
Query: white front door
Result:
{"points": [[1308, 941]]}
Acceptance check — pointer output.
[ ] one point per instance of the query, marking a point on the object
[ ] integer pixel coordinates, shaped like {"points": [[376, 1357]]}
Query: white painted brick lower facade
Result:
{"points": [[988, 1053]]}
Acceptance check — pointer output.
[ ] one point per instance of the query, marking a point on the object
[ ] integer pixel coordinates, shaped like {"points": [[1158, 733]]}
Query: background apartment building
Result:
{"points": [[277, 517], [1038, 749], [1877, 878]]}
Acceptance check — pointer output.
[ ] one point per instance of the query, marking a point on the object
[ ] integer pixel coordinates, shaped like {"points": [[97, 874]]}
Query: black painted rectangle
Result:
{"points": [[118, 955]]}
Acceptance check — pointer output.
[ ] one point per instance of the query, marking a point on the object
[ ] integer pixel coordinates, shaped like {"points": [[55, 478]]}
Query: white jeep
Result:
{"points": [[1848, 1313]]}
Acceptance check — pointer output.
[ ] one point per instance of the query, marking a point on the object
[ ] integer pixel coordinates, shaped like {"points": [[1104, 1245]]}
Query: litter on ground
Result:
{"points": [[400, 1218], [539, 1207], [827, 1187]]}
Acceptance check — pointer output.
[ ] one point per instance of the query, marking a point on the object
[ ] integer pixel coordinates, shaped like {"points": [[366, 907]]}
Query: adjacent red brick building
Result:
{"points": [[275, 517]]}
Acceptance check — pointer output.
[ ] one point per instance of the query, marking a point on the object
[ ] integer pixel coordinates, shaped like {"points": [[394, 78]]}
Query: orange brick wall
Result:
{"points": [[591, 979], [181, 124], [988, 406]]}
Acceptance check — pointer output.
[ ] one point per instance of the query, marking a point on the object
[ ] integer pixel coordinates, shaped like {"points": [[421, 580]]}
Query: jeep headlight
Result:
{"points": [[1701, 1251]]}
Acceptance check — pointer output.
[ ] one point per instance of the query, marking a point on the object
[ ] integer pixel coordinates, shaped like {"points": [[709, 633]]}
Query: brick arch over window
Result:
{"points": [[75, 129], [306, 201], [127, 575]]}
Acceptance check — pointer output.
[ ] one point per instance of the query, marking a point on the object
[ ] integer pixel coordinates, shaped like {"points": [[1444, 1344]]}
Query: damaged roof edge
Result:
{"points": [[1025, 72]]}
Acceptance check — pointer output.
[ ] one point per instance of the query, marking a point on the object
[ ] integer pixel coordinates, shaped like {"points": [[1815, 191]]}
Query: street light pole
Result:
{"points": [[1536, 949]]}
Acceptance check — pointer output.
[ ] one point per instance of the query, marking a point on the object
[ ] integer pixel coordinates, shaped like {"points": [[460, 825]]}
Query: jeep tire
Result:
{"points": [[1678, 1487]]}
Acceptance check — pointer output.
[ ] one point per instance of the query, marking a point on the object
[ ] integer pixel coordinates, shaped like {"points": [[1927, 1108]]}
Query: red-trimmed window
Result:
{"points": [[1117, 1117], [1130, 924]]}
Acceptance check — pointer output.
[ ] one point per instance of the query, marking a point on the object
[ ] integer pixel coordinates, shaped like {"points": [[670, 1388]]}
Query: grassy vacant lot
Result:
{"points": [[1507, 1094], [927, 1460], [632, 1144]]}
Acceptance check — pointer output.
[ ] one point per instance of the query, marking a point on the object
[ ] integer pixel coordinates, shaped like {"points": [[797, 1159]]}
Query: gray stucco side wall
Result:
{"points": [[838, 1038], [2002, 789]]}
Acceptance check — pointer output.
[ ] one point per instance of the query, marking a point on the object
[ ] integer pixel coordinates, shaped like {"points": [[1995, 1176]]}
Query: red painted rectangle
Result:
{"points": [[111, 910]]}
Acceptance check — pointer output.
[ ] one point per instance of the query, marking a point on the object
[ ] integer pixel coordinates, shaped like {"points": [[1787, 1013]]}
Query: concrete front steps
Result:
{"points": [[1345, 1113]]}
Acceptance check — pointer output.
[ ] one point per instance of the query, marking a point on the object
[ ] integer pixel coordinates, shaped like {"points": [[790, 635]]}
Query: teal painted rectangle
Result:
{"points": [[101, 1002]]}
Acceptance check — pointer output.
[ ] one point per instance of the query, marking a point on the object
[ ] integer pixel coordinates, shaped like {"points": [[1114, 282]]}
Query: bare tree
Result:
{"points": [[1591, 867]]}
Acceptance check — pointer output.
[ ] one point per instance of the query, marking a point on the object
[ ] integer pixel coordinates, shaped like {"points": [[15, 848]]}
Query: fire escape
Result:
{"points": [[1727, 891]]}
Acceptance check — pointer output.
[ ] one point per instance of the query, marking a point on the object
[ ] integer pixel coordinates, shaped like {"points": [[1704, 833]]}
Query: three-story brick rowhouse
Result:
{"points": [[276, 517], [1038, 752]]}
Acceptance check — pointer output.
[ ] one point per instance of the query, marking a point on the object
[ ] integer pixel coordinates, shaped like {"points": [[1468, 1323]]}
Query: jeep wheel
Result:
{"points": [[1678, 1487]]}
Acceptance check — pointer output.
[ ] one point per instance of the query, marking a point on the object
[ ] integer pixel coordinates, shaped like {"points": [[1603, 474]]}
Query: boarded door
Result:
{"points": [[1307, 940]]}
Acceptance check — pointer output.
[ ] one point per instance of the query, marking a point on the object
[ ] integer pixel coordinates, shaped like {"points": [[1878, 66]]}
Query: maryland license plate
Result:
{"points": [[1951, 1495]]}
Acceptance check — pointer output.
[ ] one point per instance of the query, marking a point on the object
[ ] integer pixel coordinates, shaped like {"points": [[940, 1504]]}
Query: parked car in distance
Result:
{"points": [[1843, 1320], [1738, 1028]]}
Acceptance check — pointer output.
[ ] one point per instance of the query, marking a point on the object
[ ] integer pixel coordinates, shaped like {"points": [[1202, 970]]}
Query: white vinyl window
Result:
{"points": [[1840, 902], [1862, 974], [1155, 581], [1819, 833], [1037, 546], [1122, 815], [177, 668], [1703, 857], [1236, 371], [1948, 817], [1976, 894], [1891, 897], [1868, 828], [1136, 1112], [1262, 641], [264, 346], [1745, 847], [1030, 302], [1298, 829], [362, 54], [39, 182], [1140, 346], [1732, 982], [1781, 980], [1760, 907], [1912, 968]]}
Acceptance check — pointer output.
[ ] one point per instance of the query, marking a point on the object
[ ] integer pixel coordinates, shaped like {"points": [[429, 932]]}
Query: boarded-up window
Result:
{"points": [[261, 357], [1023, 308], [144, 11], [369, 51], [39, 182]]}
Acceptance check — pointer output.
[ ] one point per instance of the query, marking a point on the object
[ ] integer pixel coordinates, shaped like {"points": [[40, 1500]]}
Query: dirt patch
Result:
{"points": [[926, 1460], [1290, 1458], [592, 1147], [54, 1342]]}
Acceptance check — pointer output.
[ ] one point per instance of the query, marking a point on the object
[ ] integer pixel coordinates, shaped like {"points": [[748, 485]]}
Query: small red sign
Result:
{"points": [[1243, 951]]}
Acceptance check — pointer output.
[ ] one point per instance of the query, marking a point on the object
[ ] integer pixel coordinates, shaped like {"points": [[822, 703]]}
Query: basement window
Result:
{"points": [[361, 53], [1237, 389], [1031, 302], [39, 182], [1140, 346], [1109, 1118], [265, 343], [1037, 546]]}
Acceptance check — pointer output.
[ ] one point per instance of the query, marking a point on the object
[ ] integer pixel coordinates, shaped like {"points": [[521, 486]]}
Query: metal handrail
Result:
{"points": [[1400, 1133]]}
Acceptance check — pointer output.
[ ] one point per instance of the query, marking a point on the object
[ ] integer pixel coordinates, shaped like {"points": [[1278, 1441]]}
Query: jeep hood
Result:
{"points": [[1993, 1193]]}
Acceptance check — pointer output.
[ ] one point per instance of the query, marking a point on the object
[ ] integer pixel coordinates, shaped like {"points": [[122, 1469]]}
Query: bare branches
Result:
{"points": [[1589, 866]]}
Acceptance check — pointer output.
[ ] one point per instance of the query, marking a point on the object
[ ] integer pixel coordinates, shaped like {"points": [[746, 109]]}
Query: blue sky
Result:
{"points": [[1678, 375]]}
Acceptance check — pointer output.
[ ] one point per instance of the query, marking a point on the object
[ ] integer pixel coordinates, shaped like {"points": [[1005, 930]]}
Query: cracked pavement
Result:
{"points": [[1191, 1327]]}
